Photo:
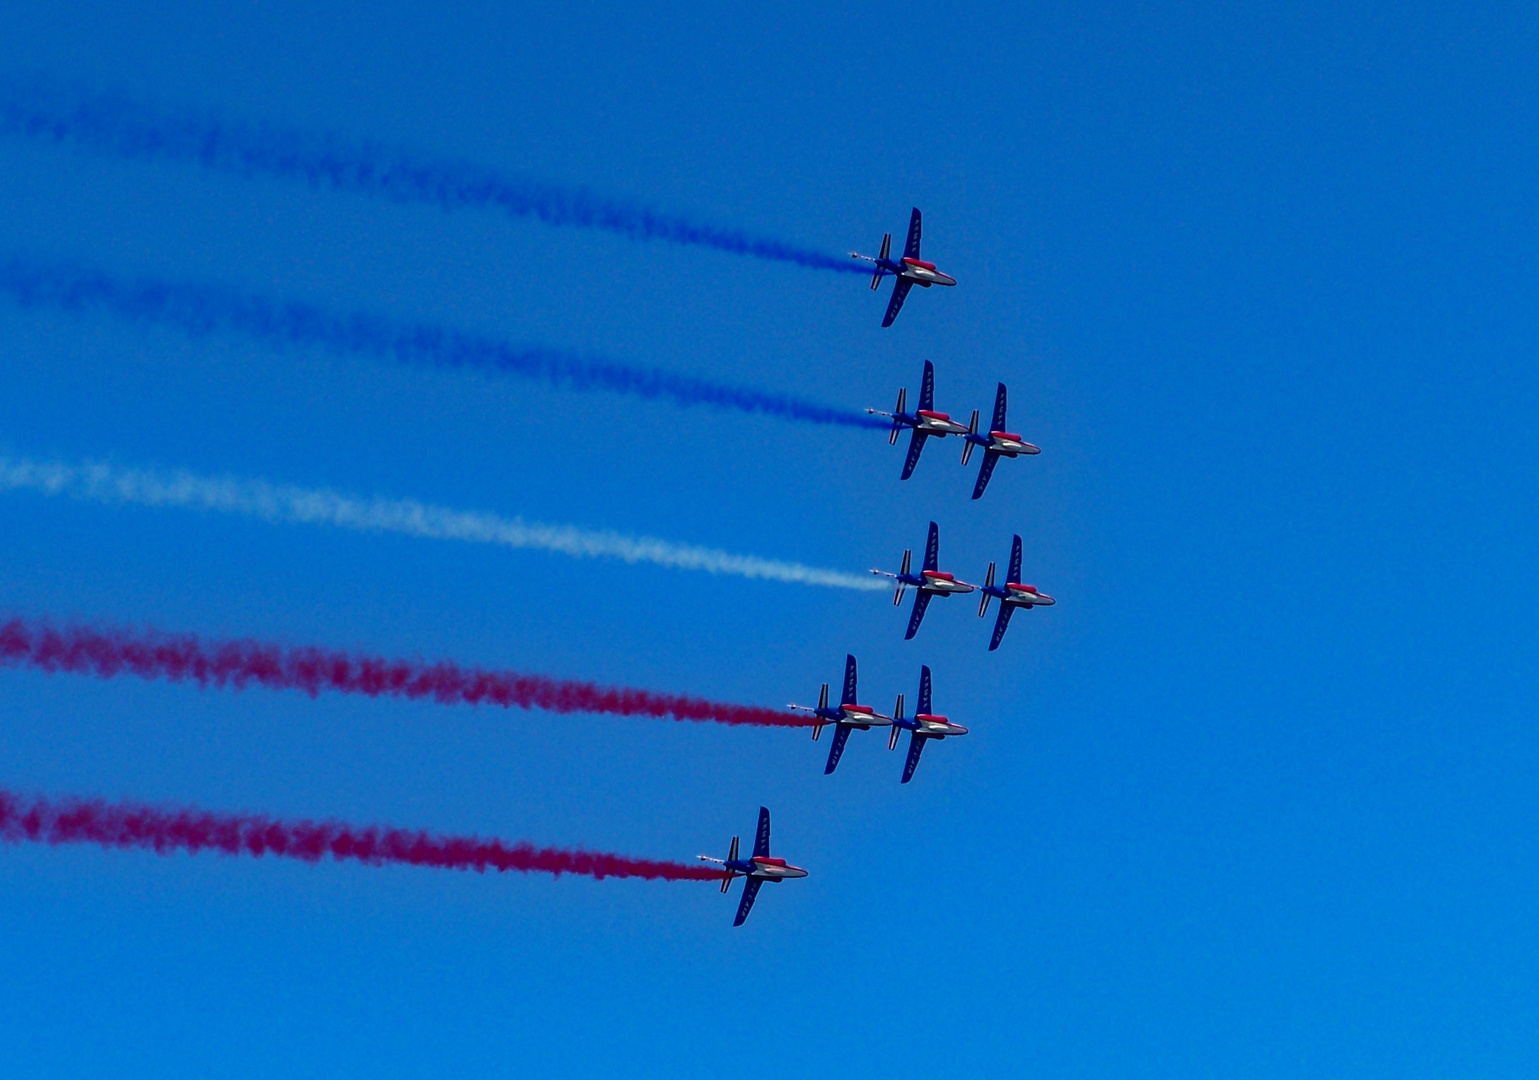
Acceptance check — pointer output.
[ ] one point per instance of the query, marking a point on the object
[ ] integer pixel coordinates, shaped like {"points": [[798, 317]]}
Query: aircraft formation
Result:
{"points": [[848, 714]]}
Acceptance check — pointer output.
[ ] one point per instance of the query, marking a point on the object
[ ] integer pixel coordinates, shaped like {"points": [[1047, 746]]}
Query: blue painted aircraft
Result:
{"points": [[846, 718], [996, 444], [922, 728], [1011, 596], [909, 271], [930, 581], [756, 869], [925, 422]]}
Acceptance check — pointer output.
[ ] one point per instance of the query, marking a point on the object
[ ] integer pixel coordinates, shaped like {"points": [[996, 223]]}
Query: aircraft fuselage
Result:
{"points": [[935, 423], [1026, 596], [762, 866], [938, 581], [934, 727], [916, 270], [1010, 444]]}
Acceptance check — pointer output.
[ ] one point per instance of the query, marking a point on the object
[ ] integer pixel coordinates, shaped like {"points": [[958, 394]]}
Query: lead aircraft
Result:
{"points": [[930, 581], [996, 444], [925, 422], [756, 869], [922, 728], [1011, 596], [846, 718], [909, 271]]}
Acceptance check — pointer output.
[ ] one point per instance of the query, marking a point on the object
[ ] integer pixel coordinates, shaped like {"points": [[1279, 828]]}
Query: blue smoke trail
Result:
{"points": [[116, 125], [201, 309]]}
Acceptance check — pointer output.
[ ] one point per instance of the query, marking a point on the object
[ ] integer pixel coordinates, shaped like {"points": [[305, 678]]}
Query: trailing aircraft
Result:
{"points": [[1011, 596], [930, 581], [756, 869], [924, 422], [846, 717], [909, 271], [922, 728], [996, 444]]}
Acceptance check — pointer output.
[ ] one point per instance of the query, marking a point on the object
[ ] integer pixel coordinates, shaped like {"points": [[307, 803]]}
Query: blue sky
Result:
{"points": [[1256, 798]]}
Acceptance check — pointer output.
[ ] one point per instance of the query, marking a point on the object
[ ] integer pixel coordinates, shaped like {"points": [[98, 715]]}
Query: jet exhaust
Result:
{"points": [[167, 831], [261, 500], [116, 125], [198, 310], [239, 664]]}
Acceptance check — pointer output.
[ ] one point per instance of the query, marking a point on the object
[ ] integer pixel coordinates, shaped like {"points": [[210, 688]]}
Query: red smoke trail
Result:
{"points": [[135, 825], [237, 664]]}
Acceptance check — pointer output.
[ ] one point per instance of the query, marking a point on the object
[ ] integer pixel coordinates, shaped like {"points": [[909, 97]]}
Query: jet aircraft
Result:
{"points": [[846, 718], [923, 727], [909, 271], [996, 444], [756, 869], [925, 422], [1011, 596], [930, 581]]}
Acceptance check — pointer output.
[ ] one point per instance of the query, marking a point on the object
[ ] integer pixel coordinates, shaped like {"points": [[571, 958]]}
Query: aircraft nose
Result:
{"points": [[944, 279], [1032, 448], [1046, 600]]}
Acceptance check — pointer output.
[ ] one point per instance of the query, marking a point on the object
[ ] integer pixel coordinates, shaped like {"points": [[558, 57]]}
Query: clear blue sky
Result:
{"points": [[1257, 798]]}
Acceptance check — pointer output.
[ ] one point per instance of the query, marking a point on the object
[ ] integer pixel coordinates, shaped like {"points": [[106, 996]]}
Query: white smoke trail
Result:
{"points": [[105, 483]]}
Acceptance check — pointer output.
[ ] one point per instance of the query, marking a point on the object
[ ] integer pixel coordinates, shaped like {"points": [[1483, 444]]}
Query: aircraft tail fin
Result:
{"points": [[967, 444], [817, 720], [988, 583], [726, 878], [876, 278], [897, 596], [897, 425], [897, 715]]}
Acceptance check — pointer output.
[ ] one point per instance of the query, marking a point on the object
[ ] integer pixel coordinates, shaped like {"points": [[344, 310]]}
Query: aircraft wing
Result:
{"points": [[932, 548], [921, 601], [900, 290], [841, 736], [750, 893], [924, 689], [1000, 623], [1015, 559], [999, 409], [915, 444], [911, 249], [916, 743], [761, 840], [848, 697], [985, 470]]}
